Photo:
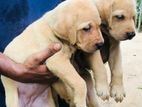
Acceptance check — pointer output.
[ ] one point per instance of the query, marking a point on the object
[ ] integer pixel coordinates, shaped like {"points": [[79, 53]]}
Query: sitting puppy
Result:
{"points": [[75, 25], [117, 25]]}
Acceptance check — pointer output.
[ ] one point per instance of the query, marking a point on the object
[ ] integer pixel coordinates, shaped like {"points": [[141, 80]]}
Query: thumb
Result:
{"points": [[41, 56]]}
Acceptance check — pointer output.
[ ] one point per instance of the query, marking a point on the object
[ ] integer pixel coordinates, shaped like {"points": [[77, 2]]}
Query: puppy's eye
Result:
{"points": [[87, 28], [120, 17]]}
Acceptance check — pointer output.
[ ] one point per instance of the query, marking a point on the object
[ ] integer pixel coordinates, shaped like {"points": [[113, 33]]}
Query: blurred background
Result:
{"points": [[139, 16]]}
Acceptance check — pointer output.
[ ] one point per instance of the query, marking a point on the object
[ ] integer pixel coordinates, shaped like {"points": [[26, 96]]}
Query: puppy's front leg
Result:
{"points": [[91, 95], [60, 65], [117, 89], [100, 75]]}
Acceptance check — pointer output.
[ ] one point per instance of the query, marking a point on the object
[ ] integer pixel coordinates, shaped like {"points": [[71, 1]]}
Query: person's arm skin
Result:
{"points": [[33, 70]]}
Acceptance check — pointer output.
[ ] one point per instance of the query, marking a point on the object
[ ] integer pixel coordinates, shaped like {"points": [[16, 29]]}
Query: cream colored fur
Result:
{"points": [[116, 31], [66, 25]]}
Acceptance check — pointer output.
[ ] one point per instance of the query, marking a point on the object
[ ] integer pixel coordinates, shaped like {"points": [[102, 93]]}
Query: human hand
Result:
{"points": [[33, 70]]}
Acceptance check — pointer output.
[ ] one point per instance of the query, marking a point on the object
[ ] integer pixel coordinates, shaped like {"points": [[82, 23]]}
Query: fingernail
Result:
{"points": [[57, 46]]}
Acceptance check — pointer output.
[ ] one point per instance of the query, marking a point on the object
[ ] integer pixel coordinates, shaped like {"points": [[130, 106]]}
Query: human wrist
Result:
{"points": [[9, 68]]}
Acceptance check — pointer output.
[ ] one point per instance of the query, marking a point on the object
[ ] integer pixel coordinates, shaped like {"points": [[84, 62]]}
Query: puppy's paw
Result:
{"points": [[117, 92], [102, 91]]}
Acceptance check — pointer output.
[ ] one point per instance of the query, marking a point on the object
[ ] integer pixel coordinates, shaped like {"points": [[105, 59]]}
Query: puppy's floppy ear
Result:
{"points": [[110, 13], [105, 10], [64, 26]]}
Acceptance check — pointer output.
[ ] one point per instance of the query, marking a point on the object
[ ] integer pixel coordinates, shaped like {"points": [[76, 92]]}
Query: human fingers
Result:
{"points": [[41, 56]]}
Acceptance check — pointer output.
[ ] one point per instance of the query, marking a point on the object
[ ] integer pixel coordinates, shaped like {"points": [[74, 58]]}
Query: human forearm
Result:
{"points": [[7, 66]]}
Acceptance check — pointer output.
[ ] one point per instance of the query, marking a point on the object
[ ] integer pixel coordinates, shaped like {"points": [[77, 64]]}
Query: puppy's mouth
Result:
{"points": [[90, 49], [123, 39], [127, 36], [87, 50]]}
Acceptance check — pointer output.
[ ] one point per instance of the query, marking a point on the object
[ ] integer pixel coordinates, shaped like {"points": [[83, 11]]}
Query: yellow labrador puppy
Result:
{"points": [[117, 25], [75, 25]]}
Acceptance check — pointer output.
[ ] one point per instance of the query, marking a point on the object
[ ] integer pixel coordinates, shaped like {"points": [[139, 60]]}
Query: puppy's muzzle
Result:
{"points": [[99, 45], [130, 35]]}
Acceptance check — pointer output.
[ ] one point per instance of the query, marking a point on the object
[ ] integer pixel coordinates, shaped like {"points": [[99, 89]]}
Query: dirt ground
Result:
{"points": [[132, 64]]}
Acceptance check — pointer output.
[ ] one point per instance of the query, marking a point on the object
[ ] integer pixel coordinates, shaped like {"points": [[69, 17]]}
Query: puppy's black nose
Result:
{"points": [[130, 35], [99, 45]]}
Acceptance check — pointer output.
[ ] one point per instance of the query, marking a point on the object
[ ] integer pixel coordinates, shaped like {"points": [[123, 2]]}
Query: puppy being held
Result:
{"points": [[75, 25], [117, 25]]}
